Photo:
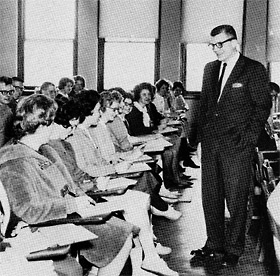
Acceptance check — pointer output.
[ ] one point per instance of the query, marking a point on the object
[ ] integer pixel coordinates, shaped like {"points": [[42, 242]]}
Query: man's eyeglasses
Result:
{"points": [[18, 87], [7, 92], [219, 45]]}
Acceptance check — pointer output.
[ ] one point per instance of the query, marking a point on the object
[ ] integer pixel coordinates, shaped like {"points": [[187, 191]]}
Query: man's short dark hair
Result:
{"points": [[17, 79], [227, 29], [6, 80]]}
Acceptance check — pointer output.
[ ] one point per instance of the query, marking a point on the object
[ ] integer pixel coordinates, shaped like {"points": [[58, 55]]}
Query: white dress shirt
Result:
{"points": [[230, 64]]}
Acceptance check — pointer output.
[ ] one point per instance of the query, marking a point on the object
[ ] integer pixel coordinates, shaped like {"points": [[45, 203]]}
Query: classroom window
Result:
{"points": [[275, 72], [49, 36], [128, 63], [197, 55]]}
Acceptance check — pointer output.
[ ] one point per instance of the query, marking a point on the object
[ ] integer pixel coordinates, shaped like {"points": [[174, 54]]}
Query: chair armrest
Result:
{"points": [[99, 193], [50, 253], [100, 219]]}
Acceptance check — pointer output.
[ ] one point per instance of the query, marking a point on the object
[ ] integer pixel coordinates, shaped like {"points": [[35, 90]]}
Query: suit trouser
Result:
{"points": [[226, 176]]}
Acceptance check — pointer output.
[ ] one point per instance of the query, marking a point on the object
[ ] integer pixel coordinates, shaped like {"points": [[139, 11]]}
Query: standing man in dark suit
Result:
{"points": [[235, 105]]}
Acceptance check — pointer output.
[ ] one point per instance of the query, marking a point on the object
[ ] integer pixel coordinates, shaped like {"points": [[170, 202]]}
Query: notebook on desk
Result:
{"points": [[144, 158], [157, 145], [57, 235], [120, 182], [138, 167]]}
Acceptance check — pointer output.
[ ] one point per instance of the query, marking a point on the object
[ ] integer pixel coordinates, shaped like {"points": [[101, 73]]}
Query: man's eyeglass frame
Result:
{"points": [[219, 45], [7, 92]]}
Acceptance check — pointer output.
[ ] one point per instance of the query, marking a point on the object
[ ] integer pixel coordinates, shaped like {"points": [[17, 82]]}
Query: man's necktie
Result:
{"points": [[221, 79]]}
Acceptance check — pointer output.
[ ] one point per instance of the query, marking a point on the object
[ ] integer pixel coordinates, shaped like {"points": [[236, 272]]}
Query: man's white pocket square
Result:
{"points": [[237, 85]]}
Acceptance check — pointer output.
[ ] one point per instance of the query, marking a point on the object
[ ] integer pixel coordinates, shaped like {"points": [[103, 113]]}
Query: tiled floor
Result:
{"points": [[189, 233]]}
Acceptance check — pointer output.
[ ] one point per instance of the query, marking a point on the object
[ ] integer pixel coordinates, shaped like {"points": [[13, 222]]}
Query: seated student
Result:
{"points": [[138, 216], [65, 87], [34, 186], [90, 160], [17, 244], [6, 114], [162, 98], [48, 89], [121, 139], [144, 119], [179, 102], [109, 105], [17, 83], [181, 107], [79, 86], [117, 127]]}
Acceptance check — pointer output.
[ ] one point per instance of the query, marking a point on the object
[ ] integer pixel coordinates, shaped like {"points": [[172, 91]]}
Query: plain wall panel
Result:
{"points": [[255, 30], [170, 39], [8, 37], [88, 41]]}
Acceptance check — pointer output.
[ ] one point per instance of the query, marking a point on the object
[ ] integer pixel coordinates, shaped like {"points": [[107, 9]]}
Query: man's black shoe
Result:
{"points": [[201, 256], [213, 263], [230, 260], [190, 163]]}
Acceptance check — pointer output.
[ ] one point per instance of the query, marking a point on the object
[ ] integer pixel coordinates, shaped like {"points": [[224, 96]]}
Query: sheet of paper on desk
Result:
{"points": [[168, 130], [120, 182], [144, 158], [65, 234], [45, 237], [157, 145], [148, 137], [138, 167]]}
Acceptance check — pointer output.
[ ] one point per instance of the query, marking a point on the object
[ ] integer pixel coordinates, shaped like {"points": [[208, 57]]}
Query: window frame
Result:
{"points": [[101, 59], [101, 53], [21, 41]]}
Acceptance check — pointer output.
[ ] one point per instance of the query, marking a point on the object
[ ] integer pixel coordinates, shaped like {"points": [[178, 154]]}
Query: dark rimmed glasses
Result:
{"points": [[18, 87], [219, 45], [7, 92]]}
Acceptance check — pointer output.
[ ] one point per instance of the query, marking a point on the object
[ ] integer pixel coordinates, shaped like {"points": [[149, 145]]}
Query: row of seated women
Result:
{"points": [[87, 141], [155, 101], [37, 166]]}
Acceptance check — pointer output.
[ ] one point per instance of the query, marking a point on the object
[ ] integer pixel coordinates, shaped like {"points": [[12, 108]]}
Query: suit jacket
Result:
{"points": [[240, 115]]}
